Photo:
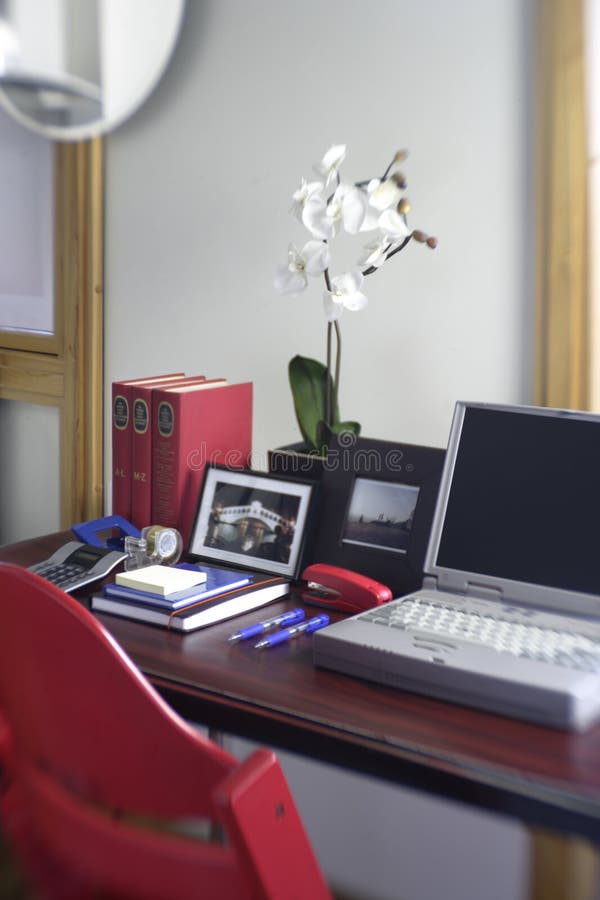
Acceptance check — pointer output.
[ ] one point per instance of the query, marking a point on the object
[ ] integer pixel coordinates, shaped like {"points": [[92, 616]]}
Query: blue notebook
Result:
{"points": [[218, 581], [207, 607]]}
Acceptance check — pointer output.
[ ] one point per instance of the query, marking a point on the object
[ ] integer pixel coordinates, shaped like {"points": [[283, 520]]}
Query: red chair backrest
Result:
{"points": [[79, 706], [85, 734]]}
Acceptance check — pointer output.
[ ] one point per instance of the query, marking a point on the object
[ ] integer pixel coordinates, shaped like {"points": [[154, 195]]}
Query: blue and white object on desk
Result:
{"points": [[218, 581], [287, 634], [292, 617], [224, 604]]}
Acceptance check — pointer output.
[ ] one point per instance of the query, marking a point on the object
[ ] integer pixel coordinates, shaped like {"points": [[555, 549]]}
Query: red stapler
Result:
{"points": [[342, 589]]}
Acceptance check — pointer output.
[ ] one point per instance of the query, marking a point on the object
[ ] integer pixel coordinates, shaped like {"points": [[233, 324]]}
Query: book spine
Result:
{"points": [[141, 446], [121, 449], [189, 430], [174, 601], [133, 596], [205, 611], [166, 455], [141, 457]]}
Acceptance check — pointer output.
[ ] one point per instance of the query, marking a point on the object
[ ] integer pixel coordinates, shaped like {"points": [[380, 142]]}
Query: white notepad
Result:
{"points": [[160, 580]]}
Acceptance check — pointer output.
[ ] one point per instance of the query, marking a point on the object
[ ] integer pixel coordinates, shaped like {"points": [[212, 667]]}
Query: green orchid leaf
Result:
{"points": [[309, 383], [325, 433], [346, 428]]}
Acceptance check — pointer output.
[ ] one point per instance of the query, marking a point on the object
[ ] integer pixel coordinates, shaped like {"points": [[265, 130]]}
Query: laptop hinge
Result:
{"points": [[482, 592], [430, 582]]}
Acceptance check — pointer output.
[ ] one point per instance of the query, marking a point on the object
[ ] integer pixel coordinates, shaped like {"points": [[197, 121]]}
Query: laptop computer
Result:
{"points": [[508, 616]]}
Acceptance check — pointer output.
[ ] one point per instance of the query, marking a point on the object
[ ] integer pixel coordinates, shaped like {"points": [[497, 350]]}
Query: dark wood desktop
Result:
{"points": [[547, 779]]}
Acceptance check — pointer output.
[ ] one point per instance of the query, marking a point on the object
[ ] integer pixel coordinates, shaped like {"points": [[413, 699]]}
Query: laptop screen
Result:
{"points": [[522, 497]]}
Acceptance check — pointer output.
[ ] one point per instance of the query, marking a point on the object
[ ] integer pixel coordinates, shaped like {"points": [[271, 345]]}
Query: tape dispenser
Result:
{"points": [[156, 545]]}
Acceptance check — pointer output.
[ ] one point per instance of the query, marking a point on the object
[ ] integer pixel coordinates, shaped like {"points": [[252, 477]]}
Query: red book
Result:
{"points": [[193, 425], [121, 439], [141, 448]]}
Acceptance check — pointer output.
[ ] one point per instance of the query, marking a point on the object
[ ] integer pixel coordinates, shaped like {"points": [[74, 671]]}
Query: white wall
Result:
{"points": [[29, 495], [29, 484], [376, 841], [199, 184], [26, 223]]}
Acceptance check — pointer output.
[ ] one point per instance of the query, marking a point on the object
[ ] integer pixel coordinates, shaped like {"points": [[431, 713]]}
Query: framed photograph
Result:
{"points": [[378, 500], [253, 519], [380, 515]]}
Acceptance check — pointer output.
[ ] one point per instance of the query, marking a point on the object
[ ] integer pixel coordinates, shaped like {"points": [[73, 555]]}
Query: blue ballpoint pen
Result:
{"points": [[286, 634], [288, 618]]}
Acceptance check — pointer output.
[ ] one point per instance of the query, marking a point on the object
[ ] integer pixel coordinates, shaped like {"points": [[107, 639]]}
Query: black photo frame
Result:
{"points": [[253, 519], [377, 504]]}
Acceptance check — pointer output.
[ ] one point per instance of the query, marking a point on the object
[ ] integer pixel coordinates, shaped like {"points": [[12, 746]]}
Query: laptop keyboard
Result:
{"points": [[530, 641]]}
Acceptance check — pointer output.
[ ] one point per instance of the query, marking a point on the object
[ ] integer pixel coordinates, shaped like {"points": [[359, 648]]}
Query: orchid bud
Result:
{"points": [[432, 242], [400, 156], [420, 237], [399, 180], [403, 207]]}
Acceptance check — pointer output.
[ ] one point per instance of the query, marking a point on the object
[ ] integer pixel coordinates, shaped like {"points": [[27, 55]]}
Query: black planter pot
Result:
{"points": [[296, 461]]}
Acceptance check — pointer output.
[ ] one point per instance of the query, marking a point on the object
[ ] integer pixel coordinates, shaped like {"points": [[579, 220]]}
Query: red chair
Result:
{"points": [[98, 775]]}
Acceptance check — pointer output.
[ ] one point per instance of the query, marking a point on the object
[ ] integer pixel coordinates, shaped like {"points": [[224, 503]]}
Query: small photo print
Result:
{"points": [[380, 515], [252, 522], [252, 519]]}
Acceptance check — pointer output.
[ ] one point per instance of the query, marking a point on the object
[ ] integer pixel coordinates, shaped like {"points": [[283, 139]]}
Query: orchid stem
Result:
{"points": [[401, 246], [329, 407], [364, 183], [328, 388], [387, 171], [338, 363]]}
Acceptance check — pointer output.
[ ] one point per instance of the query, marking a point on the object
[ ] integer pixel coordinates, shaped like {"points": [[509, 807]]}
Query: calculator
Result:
{"points": [[76, 564]]}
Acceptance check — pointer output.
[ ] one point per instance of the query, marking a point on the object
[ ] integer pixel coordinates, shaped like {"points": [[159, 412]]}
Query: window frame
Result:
{"points": [[65, 369]]}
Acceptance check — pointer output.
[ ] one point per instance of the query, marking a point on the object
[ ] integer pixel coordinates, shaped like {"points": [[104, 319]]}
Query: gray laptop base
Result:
{"points": [[461, 672]]}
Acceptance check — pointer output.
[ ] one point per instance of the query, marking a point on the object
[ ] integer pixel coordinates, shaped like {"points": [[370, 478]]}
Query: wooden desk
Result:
{"points": [[547, 779]]}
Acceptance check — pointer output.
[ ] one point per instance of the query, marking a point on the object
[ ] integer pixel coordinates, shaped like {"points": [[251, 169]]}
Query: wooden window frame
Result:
{"points": [[65, 369], [562, 324]]}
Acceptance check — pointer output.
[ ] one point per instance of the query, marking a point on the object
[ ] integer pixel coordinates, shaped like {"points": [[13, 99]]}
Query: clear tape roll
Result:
{"points": [[157, 545], [163, 544]]}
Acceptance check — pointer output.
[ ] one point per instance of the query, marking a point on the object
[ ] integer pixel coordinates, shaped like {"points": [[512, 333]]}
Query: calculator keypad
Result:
{"points": [[75, 565], [63, 575]]}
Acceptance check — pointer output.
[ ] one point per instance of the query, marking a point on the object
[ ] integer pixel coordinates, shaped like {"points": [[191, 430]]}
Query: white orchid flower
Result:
{"points": [[305, 193], [313, 259], [376, 252], [383, 194], [372, 214], [329, 165], [316, 257], [347, 207], [345, 293], [394, 225], [316, 218]]}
